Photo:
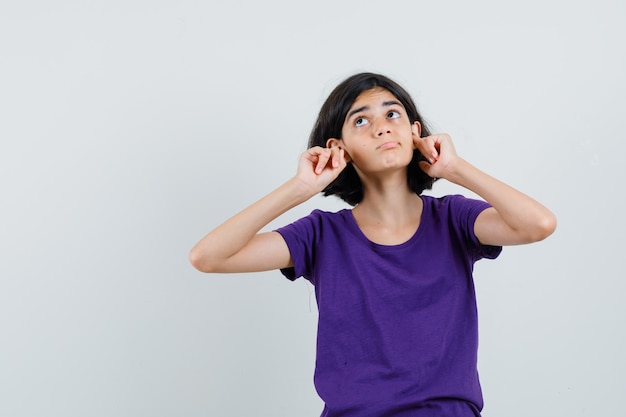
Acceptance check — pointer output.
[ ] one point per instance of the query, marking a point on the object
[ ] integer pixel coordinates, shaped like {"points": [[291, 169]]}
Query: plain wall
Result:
{"points": [[129, 129]]}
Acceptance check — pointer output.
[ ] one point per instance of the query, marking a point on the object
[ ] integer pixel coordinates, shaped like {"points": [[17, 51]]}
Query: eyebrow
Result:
{"points": [[363, 108]]}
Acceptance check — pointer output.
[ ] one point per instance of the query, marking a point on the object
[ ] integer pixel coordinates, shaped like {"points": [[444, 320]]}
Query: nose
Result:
{"points": [[382, 127]]}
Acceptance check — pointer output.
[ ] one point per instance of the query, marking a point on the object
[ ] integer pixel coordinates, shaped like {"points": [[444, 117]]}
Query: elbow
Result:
{"points": [[544, 227], [200, 261]]}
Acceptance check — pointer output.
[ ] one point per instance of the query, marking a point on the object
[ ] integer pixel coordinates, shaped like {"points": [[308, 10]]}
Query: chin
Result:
{"points": [[395, 161]]}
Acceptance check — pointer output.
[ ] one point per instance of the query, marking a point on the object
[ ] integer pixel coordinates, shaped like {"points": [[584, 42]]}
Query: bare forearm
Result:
{"points": [[529, 219], [235, 233], [237, 245]]}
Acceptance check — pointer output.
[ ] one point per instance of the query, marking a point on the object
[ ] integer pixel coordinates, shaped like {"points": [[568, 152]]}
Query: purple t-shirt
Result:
{"points": [[398, 326]]}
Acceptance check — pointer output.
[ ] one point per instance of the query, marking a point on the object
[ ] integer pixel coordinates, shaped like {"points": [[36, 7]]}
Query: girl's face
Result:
{"points": [[377, 133]]}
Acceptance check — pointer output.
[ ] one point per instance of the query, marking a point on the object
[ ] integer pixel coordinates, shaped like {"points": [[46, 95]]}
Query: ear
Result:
{"points": [[332, 142], [416, 128]]}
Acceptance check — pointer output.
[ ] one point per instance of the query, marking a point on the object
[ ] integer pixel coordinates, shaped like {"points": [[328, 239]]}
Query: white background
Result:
{"points": [[128, 129]]}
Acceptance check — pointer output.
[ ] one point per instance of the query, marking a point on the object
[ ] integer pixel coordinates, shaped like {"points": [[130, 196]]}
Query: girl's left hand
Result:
{"points": [[440, 152]]}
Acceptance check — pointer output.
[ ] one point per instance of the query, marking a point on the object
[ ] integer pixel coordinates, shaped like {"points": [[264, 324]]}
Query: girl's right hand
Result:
{"points": [[319, 167]]}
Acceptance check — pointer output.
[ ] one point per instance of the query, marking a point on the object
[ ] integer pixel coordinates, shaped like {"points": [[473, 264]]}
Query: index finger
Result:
{"points": [[322, 159], [426, 146]]}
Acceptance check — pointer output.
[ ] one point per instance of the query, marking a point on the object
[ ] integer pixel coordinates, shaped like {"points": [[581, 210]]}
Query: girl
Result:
{"points": [[397, 325]]}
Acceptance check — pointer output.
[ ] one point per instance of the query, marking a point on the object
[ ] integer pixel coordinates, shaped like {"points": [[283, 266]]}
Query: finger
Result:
{"points": [[426, 146], [322, 159], [312, 155], [342, 154], [337, 156]]}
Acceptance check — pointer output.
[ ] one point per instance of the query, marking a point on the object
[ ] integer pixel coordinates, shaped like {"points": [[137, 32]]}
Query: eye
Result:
{"points": [[393, 114], [360, 121]]}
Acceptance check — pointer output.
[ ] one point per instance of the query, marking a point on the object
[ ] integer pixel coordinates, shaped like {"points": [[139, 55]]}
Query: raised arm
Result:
{"points": [[237, 246], [514, 217]]}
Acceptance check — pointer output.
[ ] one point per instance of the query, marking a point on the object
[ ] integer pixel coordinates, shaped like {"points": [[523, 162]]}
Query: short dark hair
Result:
{"points": [[329, 124]]}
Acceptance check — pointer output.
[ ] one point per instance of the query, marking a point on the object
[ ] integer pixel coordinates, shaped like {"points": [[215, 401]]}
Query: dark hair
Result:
{"points": [[329, 124]]}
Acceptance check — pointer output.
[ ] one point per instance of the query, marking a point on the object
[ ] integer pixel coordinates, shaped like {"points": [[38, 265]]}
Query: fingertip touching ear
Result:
{"points": [[332, 142]]}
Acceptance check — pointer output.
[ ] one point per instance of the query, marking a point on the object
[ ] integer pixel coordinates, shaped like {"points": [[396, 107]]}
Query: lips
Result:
{"points": [[388, 145]]}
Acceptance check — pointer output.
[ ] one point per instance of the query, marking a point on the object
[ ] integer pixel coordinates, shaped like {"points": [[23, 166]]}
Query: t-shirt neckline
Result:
{"points": [[356, 230]]}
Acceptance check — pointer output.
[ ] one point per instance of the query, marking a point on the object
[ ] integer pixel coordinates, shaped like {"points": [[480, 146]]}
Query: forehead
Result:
{"points": [[374, 96]]}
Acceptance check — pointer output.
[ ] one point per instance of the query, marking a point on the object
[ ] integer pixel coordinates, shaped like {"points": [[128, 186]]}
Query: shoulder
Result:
{"points": [[450, 200], [454, 203], [454, 211], [315, 221], [322, 216], [312, 236], [457, 214]]}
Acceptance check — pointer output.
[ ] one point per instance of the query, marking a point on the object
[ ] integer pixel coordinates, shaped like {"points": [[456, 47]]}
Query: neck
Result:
{"points": [[387, 199]]}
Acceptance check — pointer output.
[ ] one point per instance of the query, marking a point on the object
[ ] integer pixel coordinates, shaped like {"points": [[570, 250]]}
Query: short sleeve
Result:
{"points": [[301, 237], [464, 212]]}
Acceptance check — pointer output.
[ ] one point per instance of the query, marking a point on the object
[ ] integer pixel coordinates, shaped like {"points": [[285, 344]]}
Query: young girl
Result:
{"points": [[397, 327]]}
